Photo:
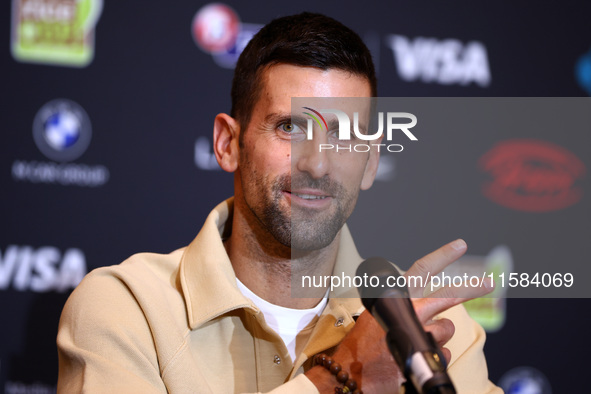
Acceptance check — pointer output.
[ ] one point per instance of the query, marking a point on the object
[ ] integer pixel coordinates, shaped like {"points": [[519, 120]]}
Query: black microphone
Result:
{"points": [[416, 352]]}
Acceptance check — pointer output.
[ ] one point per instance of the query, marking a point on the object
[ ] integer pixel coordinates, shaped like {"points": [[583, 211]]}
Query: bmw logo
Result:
{"points": [[62, 130]]}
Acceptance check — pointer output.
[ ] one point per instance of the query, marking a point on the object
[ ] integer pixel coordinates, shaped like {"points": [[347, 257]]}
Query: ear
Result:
{"points": [[371, 167], [225, 142]]}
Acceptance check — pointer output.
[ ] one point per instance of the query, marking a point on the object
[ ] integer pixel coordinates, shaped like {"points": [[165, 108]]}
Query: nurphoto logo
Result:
{"points": [[395, 121]]}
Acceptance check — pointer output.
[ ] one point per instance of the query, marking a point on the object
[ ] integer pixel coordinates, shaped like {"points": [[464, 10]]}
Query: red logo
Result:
{"points": [[532, 175], [216, 27]]}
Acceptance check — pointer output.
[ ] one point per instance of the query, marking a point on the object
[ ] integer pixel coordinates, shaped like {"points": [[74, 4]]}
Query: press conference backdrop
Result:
{"points": [[107, 114]]}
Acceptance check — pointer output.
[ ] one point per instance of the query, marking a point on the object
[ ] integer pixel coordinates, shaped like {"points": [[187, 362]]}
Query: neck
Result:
{"points": [[274, 271]]}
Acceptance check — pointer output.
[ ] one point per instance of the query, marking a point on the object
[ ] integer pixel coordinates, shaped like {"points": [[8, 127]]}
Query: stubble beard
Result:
{"points": [[298, 228]]}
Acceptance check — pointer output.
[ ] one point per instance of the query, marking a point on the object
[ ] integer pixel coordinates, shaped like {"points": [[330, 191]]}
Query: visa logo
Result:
{"points": [[444, 62], [25, 268]]}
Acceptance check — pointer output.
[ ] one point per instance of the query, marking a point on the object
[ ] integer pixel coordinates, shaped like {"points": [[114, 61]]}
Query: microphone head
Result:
{"points": [[379, 281]]}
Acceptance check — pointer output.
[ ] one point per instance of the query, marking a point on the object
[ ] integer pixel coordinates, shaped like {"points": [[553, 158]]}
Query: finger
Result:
{"points": [[434, 263], [466, 290], [441, 329], [447, 297], [447, 354], [427, 308]]}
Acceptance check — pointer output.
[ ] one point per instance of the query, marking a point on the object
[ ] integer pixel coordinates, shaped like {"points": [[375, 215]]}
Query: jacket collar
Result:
{"points": [[208, 280]]}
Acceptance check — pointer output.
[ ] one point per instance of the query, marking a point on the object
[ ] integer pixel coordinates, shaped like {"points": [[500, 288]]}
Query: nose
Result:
{"points": [[307, 156]]}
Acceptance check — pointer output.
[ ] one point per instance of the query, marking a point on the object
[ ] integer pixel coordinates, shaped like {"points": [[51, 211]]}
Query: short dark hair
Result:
{"points": [[305, 39]]}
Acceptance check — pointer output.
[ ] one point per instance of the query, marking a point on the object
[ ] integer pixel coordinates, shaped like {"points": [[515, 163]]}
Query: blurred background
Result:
{"points": [[108, 110]]}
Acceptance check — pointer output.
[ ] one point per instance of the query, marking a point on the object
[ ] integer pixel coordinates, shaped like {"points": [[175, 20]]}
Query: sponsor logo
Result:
{"points": [[525, 380], [62, 132], [532, 175], [62, 174], [58, 32], [217, 30], [359, 131], [488, 311], [583, 72], [25, 268], [203, 156], [445, 62], [28, 388], [386, 169], [216, 27]]}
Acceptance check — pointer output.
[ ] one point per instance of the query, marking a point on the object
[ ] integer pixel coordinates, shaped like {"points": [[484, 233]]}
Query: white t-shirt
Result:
{"points": [[286, 322]]}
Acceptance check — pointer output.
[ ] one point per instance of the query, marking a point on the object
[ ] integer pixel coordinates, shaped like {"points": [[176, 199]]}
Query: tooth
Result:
{"points": [[309, 196]]}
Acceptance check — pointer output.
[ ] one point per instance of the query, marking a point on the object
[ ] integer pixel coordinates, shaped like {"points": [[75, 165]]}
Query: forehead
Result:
{"points": [[281, 82]]}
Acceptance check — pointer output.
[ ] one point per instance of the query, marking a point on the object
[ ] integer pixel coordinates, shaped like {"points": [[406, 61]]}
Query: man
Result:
{"points": [[218, 315]]}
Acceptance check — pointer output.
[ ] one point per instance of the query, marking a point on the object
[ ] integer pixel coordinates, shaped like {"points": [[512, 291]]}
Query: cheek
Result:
{"points": [[351, 175], [273, 158], [354, 166], [266, 164]]}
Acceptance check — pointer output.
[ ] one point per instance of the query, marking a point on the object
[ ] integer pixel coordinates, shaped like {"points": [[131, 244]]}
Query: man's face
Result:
{"points": [[301, 196]]}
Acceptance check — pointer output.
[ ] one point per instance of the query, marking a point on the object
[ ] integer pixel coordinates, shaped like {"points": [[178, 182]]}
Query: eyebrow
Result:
{"points": [[277, 117], [333, 124]]}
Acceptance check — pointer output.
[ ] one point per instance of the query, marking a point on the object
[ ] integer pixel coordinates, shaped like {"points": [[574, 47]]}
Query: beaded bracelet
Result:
{"points": [[349, 384]]}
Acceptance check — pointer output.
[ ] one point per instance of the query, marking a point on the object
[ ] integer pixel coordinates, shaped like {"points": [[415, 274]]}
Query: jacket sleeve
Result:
{"points": [[467, 368], [104, 341]]}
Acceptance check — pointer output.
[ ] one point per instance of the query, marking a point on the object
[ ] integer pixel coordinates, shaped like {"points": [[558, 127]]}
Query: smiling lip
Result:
{"points": [[312, 198]]}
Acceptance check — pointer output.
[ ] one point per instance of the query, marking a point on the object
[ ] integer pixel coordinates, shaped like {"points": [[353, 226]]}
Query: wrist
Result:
{"points": [[331, 376], [322, 379]]}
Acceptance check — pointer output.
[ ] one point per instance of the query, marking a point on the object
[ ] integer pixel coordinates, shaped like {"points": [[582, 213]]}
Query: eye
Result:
{"points": [[290, 128], [291, 131], [287, 127]]}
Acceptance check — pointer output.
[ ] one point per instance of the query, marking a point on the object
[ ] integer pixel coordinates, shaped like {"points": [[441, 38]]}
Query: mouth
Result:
{"points": [[311, 198]]}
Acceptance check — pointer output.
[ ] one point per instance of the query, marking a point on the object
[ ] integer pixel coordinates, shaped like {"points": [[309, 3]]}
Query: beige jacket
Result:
{"points": [[178, 323]]}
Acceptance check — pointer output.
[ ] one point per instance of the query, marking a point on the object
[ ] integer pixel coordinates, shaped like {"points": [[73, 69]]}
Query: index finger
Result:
{"points": [[434, 263], [447, 297]]}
